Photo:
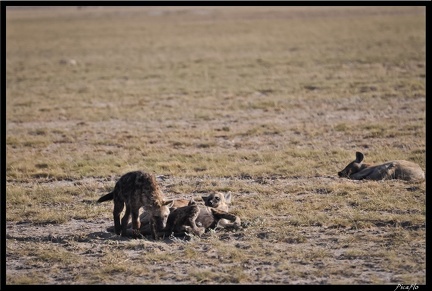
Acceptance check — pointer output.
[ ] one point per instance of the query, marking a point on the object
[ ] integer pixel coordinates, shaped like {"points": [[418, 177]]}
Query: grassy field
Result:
{"points": [[267, 103]]}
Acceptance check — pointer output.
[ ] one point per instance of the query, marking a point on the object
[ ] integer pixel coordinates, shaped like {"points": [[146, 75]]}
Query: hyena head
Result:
{"points": [[218, 200], [353, 167], [160, 214]]}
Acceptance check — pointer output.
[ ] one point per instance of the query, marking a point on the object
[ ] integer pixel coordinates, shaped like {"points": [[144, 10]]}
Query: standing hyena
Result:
{"points": [[398, 169], [138, 189]]}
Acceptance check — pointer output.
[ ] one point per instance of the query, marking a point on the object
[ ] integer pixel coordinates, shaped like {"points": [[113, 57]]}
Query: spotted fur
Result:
{"points": [[135, 190]]}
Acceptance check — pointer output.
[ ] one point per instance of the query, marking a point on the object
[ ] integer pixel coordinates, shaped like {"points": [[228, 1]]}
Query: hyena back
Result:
{"points": [[135, 190], [397, 169]]}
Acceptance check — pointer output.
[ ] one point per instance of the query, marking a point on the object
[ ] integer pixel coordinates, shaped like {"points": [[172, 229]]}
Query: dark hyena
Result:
{"points": [[398, 169], [135, 190]]}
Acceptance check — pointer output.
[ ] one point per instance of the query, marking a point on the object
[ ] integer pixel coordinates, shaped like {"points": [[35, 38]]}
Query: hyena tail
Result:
{"points": [[107, 197]]}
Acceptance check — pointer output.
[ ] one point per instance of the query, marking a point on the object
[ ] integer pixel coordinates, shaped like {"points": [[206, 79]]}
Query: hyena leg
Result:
{"points": [[145, 228], [125, 220], [135, 222], [135, 218], [386, 172], [191, 221], [172, 222], [367, 174], [226, 219], [153, 228], [118, 208]]}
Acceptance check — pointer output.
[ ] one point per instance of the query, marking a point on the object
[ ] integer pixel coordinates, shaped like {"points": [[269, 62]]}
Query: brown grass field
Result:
{"points": [[267, 103]]}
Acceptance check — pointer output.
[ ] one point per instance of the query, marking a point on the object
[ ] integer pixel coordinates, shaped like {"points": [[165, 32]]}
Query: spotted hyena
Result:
{"points": [[398, 169], [196, 219], [216, 200], [173, 204], [135, 190], [219, 201]]}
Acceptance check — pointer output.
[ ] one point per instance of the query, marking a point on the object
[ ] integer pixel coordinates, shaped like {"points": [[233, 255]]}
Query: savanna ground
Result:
{"points": [[267, 103]]}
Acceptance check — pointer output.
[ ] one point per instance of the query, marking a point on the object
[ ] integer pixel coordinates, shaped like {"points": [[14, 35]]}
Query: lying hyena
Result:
{"points": [[196, 219], [219, 201], [216, 200], [192, 218], [398, 169], [138, 189]]}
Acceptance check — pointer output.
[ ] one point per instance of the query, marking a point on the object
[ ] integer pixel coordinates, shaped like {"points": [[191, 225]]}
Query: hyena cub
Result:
{"points": [[221, 202], [145, 216], [196, 219], [135, 190], [190, 217], [218, 200], [398, 169]]}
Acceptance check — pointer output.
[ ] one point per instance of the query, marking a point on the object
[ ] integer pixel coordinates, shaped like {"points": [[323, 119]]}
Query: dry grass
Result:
{"points": [[266, 102]]}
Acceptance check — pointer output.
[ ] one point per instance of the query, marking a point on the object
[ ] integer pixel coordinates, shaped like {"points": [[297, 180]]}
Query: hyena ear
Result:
{"points": [[359, 157], [169, 203], [228, 197], [192, 202]]}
